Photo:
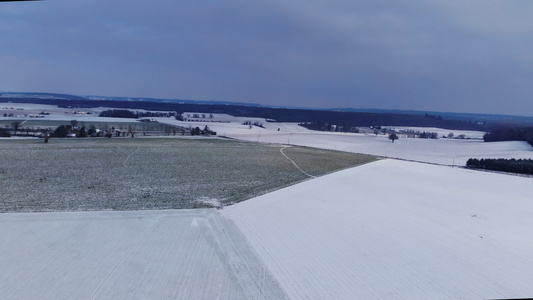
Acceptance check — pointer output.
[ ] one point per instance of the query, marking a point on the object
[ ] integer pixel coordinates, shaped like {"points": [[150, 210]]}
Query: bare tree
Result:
{"points": [[130, 131], [16, 126]]}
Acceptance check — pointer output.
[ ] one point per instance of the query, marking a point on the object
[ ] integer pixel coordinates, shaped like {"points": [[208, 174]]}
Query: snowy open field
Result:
{"points": [[389, 229], [441, 151], [385, 230], [444, 151], [178, 254], [396, 230]]}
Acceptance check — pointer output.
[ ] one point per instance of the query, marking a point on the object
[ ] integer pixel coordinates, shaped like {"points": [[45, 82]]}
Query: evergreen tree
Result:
{"points": [[62, 131], [82, 133]]}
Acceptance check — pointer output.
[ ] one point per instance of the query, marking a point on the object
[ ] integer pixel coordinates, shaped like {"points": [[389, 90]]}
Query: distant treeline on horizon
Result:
{"points": [[314, 119]]}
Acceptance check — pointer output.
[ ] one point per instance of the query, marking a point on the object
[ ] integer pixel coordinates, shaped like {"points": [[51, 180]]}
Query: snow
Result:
{"points": [[441, 132], [453, 152], [231, 126], [181, 254], [439, 151], [390, 229], [444, 151], [23, 111], [395, 230]]}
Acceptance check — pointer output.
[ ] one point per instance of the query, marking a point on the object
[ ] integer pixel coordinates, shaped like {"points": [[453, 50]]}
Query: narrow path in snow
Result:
{"points": [[127, 158], [292, 161]]}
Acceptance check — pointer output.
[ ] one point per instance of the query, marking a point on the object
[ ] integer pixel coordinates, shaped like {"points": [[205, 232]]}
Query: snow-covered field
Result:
{"points": [[390, 229], [444, 151], [386, 230], [30, 111], [453, 152], [396, 230], [440, 151], [441, 132], [178, 254]]}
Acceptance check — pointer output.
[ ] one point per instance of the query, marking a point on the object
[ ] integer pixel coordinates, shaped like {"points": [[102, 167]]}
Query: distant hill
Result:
{"points": [[447, 115], [343, 117], [16, 95]]}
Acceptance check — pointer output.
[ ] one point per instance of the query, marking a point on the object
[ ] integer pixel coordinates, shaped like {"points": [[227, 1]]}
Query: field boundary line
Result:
{"points": [[294, 163], [127, 158]]}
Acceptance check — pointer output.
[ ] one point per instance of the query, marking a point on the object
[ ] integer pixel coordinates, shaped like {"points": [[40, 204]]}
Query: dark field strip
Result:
{"points": [[151, 173]]}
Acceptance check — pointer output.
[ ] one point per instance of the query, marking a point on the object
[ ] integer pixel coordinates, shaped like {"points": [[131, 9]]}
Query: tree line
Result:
{"points": [[124, 113], [520, 166], [312, 119], [510, 134]]}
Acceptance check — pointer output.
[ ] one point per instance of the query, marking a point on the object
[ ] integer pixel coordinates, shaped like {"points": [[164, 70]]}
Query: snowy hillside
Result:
{"points": [[444, 151], [390, 229], [396, 230], [386, 230]]}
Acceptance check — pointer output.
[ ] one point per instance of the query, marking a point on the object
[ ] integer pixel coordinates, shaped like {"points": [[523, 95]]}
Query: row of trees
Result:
{"points": [[16, 129], [510, 134], [329, 126], [118, 113], [429, 135], [68, 130], [197, 116], [205, 131], [520, 166], [124, 113], [74, 130], [249, 123]]}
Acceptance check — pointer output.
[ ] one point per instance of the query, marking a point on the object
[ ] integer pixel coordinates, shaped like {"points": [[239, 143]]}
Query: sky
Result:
{"points": [[450, 56]]}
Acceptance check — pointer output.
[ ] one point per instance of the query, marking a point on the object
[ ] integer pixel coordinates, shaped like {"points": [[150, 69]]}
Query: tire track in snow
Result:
{"points": [[127, 158], [292, 161]]}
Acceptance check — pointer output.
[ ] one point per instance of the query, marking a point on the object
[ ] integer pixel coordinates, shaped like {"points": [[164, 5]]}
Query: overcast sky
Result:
{"points": [[458, 56]]}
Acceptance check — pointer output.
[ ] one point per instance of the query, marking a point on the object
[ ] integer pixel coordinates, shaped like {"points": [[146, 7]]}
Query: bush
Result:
{"points": [[82, 132], [196, 131], [4, 133], [62, 131]]}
